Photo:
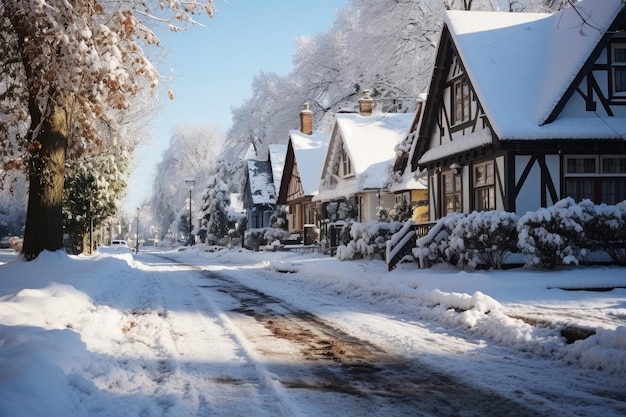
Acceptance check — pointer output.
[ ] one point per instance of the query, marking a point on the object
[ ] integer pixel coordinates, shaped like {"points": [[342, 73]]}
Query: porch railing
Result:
{"points": [[402, 242]]}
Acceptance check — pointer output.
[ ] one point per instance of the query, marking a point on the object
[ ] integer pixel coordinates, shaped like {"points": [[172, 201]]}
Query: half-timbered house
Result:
{"points": [[524, 109], [301, 174], [259, 197]]}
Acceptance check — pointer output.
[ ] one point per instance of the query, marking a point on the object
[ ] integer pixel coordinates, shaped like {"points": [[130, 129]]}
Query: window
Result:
{"points": [[460, 101], [581, 166], [618, 69], [451, 192], [484, 186], [346, 166], [601, 179], [614, 165]]}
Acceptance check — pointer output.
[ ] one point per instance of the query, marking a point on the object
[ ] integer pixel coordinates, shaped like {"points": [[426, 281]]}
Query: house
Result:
{"points": [[409, 187], [259, 197], [262, 182], [360, 149], [524, 109], [306, 149]]}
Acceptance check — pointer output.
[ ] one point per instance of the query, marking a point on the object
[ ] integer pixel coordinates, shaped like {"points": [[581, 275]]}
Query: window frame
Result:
{"points": [[461, 107], [614, 66], [456, 193], [345, 163], [599, 182], [489, 186]]}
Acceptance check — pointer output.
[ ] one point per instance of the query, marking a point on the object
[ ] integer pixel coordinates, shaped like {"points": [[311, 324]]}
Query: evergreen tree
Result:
{"points": [[216, 202]]}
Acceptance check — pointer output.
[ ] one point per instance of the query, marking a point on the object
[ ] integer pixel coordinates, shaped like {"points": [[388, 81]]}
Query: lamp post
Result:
{"points": [[190, 183], [137, 233]]}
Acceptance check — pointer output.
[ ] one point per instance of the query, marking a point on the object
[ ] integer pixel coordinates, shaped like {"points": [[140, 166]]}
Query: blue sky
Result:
{"points": [[212, 68]]}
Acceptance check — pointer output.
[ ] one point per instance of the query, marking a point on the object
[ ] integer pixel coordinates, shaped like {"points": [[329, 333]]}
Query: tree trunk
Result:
{"points": [[44, 217]]}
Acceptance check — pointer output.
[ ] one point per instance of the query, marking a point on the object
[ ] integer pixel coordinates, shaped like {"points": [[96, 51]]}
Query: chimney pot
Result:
{"points": [[306, 120], [366, 104]]}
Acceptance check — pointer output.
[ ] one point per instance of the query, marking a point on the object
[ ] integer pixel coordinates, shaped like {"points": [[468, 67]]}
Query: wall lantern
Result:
{"points": [[458, 169]]}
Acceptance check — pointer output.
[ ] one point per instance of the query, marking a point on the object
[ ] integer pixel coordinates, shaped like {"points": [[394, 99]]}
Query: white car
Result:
{"points": [[119, 244]]}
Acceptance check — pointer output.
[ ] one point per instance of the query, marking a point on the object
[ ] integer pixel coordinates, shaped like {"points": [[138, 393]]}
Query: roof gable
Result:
{"points": [[521, 64], [309, 152], [276, 155], [371, 140], [370, 145]]}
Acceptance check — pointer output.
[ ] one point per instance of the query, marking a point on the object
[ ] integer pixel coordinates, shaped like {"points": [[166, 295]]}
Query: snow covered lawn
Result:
{"points": [[107, 336]]}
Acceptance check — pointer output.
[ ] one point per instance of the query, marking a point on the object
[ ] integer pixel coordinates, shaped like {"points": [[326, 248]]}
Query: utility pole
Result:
{"points": [[137, 235]]}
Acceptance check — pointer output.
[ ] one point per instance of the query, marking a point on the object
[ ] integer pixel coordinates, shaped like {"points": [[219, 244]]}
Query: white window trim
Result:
{"points": [[344, 160], [614, 65]]}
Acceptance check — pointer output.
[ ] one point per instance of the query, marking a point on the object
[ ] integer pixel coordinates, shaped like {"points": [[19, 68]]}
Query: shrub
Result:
{"points": [[484, 238], [554, 236], [367, 240], [273, 234], [434, 247], [254, 239], [278, 219], [606, 230]]}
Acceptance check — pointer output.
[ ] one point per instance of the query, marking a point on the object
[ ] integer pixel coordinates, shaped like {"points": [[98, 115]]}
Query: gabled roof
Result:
{"points": [[370, 143], [309, 152], [277, 153], [522, 64], [261, 182]]}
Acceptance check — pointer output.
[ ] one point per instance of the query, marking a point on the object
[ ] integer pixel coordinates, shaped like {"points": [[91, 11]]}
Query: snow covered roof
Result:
{"points": [[309, 152], [277, 153], [261, 182], [409, 180], [521, 64], [370, 142], [250, 153]]}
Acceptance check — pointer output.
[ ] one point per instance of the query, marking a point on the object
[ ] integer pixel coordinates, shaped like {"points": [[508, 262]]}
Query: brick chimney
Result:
{"points": [[306, 120], [366, 104]]}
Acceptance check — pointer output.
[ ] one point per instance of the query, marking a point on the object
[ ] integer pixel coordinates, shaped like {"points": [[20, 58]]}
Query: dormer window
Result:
{"points": [[618, 70]]}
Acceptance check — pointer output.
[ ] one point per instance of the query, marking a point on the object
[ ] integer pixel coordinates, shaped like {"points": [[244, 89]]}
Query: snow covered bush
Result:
{"points": [[278, 219], [554, 236], [256, 239], [484, 238], [275, 233], [435, 246], [342, 210], [606, 230], [367, 240]]}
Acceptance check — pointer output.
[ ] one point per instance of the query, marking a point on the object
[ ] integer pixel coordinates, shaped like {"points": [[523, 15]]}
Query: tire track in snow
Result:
{"points": [[209, 320], [327, 369]]}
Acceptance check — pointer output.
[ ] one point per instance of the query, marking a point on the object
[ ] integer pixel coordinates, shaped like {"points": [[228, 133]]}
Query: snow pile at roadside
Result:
{"points": [[417, 293], [51, 331]]}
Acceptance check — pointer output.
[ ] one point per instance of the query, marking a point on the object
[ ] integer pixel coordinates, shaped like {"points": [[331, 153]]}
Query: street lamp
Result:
{"points": [[137, 233], [190, 183]]}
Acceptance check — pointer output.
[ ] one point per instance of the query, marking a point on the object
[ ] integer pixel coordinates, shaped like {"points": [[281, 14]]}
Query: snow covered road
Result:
{"points": [[198, 334], [319, 354]]}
